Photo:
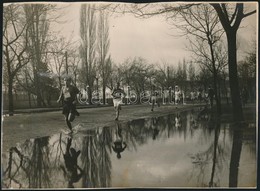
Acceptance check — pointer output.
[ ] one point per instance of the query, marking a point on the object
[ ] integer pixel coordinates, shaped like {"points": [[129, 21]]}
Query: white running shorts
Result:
{"points": [[117, 102]]}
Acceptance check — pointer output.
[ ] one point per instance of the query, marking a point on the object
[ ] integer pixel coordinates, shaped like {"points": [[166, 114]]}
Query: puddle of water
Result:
{"points": [[169, 151]]}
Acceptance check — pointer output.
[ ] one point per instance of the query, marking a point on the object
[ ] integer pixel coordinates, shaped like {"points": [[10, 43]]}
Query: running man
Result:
{"points": [[154, 95], [118, 94], [68, 95]]}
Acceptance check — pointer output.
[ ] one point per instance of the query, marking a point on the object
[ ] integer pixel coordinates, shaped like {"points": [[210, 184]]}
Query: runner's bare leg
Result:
{"points": [[68, 122]]}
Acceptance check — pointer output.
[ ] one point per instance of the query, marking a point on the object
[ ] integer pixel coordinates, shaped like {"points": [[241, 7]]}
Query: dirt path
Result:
{"points": [[18, 128]]}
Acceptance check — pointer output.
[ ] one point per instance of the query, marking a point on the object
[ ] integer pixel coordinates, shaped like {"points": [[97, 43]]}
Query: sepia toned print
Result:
{"points": [[129, 95]]}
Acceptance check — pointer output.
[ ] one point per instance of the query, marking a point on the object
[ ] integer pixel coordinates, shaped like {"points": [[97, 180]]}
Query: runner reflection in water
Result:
{"points": [[155, 128], [119, 145], [71, 163], [178, 121]]}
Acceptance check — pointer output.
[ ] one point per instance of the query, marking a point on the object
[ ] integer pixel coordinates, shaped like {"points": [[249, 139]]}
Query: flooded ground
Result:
{"points": [[177, 150]]}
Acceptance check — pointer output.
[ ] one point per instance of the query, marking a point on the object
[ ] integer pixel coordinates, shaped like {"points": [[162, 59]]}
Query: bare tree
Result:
{"points": [[165, 75], [25, 79], [15, 44], [73, 65], [247, 72], [103, 48], [37, 16], [116, 75], [181, 75], [231, 19], [202, 23], [88, 46], [58, 58], [138, 74], [192, 75]]}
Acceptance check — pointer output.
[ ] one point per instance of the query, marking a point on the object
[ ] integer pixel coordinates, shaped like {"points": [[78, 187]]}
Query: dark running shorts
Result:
{"points": [[68, 107]]}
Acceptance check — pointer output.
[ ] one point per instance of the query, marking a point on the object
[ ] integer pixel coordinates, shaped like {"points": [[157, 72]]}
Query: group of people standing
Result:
{"points": [[208, 96]]}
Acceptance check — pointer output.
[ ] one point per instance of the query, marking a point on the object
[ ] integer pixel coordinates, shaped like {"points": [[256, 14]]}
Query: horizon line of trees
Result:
{"points": [[36, 59]]}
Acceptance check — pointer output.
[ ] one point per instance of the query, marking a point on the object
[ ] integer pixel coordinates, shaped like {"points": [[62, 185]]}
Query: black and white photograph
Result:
{"points": [[106, 94]]}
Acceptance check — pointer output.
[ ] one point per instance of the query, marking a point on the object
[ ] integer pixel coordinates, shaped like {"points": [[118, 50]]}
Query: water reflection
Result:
{"points": [[119, 145], [72, 171], [179, 150]]}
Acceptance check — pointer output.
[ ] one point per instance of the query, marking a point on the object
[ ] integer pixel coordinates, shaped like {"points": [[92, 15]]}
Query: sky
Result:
{"points": [[152, 39]]}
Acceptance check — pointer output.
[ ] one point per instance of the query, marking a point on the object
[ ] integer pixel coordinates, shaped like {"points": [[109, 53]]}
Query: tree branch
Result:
{"points": [[250, 13]]}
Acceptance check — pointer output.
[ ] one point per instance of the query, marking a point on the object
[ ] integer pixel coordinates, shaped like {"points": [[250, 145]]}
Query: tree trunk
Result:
{"points": [[215, 78], [225, 88], [36, 85], [104, 94], [10, 97], [90, 96], [217, 98], [29, 99], [233, 77]]}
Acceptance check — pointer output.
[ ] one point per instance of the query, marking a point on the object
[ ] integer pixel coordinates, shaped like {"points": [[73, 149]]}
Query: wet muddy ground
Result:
{"points": [[166, 148]]}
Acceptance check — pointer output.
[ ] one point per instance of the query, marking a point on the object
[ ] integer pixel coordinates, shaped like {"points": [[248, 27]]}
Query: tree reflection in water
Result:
{"points": [[105, 140], [235, 153], [33, 169], [39, 163], [39, 168], [13, 168], [215, 154], [89, 159]]}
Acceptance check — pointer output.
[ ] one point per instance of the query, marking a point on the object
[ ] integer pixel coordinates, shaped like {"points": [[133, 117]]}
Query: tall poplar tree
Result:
{"points": [[88, 47]]}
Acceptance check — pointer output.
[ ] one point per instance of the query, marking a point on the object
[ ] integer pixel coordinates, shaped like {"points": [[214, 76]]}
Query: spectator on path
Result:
{"points": [[177, 95], [154, 95], [118, 94], [192, 96], [68, 96], [199, 94]]}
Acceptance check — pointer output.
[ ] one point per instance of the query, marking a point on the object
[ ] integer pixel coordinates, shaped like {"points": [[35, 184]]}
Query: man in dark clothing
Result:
{"points": [[69, 97], [154, 95]]}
